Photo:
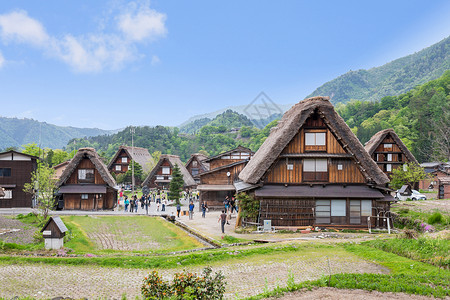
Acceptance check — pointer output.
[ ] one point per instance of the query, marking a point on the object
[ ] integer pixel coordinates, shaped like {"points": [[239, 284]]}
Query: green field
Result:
{"points": [[135, 234]]}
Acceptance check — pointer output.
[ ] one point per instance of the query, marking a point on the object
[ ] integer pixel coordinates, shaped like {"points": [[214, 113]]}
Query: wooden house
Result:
{"points": [[86, 183], [59, 169], [15, 171], [161, 175], [53, 232], [120, 163], [313, 171], [218, 182], [388, 151], [435, 172], [196, 166]]}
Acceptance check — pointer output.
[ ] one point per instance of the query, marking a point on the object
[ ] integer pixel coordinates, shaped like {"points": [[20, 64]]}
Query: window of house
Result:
{"points": [[84, 196], [194, 171], [338, 208], [5, 172], [366, 208], [340, 167], [387, 146], [323, 212], [399, 157], [86, 176], [194, 163], [166, 170], [355, 211], [315, 169], [124, 159], [159, 177], [389, 157], [8, 194], [118, 168], [290, 167], [315, 138], [388, 168]]}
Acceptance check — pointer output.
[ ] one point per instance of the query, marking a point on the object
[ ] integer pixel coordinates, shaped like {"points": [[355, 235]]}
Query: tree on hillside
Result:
{"points": [[176, 184], [410, 174]]}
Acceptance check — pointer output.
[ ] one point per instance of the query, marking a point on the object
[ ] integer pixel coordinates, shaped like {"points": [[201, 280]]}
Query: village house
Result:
{"points": [[59, 169], [388, 151], [196, 166], [15, 171], [436, 171], [313, 171], [161, 175], [121, 161], [217, 183], [86, 183]]}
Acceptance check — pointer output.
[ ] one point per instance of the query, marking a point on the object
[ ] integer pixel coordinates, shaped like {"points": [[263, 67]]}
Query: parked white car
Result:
{"points": [[415, 195]]}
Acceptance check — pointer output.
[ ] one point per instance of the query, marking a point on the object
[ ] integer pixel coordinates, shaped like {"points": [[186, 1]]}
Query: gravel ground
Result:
{"points": [[336, 294], [427, 205], [243, 278], [14, 231]]}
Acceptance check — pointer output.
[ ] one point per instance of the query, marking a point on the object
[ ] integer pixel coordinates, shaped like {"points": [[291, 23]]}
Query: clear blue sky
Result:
{"points": [[110, 64]]}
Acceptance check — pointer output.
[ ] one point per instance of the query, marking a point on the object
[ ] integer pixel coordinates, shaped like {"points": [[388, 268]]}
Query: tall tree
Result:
{"points": [[176, 184], [410, 174]]}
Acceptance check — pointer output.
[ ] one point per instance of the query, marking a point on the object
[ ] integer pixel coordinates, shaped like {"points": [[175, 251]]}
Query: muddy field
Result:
{"points": [[243, 278]]}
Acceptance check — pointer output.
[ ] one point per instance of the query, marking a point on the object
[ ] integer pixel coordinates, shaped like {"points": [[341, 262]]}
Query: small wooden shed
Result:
{"points": [[54, 232]]}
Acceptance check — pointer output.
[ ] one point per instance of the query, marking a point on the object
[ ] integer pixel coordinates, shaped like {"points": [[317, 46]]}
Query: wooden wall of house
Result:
{"points": [[118, 161], [165, 163], [85, 163], [217, 163], [20, 174], [279, 173], [220, 176], [106, 201]]}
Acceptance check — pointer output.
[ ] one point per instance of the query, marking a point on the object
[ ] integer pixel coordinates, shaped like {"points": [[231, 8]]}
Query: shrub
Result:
{"points": [[185, 286], [436, 218]]}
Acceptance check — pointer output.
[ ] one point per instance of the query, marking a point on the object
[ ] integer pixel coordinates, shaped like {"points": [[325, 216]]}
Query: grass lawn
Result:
{"points": [[118, 234]]}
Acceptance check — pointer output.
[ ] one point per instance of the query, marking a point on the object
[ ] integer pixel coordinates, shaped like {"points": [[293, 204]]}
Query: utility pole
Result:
{"points": [[132, 130]]}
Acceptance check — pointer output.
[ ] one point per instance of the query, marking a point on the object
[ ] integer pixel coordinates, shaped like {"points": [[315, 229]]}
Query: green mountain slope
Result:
{"points": [[226, 121], [16, 132], [394, 78]]}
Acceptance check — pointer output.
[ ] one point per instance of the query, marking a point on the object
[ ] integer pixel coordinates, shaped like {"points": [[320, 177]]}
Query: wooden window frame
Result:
{"points": [[86, 180], [310, 176], [3, 172], [315, 148]]}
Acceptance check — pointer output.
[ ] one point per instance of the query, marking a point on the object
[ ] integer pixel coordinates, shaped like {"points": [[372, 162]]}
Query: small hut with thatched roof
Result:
{"points": [[217, 183], [196, 166], [120, 163], [161, 174], [313, 171], [86, 183], [388, 151]]}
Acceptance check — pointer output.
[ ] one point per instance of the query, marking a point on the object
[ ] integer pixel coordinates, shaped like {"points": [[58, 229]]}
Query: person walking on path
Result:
{"points": [[178, 210], [204, 206], [164, 202], [126, 202], [147, 203], [191, 210], [222, 220]]}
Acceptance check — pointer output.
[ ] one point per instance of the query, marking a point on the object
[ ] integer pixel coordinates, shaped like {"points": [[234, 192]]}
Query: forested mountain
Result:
{"points": [[421, 118], [16, 132], [225, 121], [394, 78]]}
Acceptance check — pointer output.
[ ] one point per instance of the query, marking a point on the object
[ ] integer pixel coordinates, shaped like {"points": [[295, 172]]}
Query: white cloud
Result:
{"points": [[142, 23], [90, 52], [18, 26], [2, 60], [155, 60]]}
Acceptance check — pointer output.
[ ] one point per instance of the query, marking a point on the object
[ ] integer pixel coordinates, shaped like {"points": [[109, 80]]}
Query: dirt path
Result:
{"points": [[337, 294], [245, 277]]}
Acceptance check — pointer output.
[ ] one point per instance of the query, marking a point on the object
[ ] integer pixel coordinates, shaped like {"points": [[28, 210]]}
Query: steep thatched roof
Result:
{"points": [[173, 160], [378, 137], [95, 159], [138, 154], [237, 149], [200, 158], [290, 125]]}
